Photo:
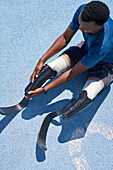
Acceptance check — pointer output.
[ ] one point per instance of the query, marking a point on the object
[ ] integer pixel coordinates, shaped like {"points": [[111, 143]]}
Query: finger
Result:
{"points": [[30, 79], [33, 77], [37, 73], [31, 92], [31, 96], [36, 91], [28, 97]]}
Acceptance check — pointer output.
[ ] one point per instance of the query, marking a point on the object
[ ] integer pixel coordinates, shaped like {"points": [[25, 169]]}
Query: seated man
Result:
{"points": [[94, 54]]}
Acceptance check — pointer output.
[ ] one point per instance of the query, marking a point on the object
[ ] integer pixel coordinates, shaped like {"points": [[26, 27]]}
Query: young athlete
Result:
{"points": [[94, 54]]}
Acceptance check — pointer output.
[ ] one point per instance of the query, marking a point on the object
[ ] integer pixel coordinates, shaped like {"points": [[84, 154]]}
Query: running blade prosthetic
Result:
{"points": [[15, 108], [45, 125], [45, 74], [18, 107]]}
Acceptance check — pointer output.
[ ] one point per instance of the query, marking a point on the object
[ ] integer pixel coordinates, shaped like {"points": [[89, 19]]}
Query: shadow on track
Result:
{"points": [[76, 127], [72, 129]]}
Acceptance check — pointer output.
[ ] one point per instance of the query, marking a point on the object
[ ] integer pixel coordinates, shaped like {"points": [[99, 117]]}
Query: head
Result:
{"points": [[93, 17]]}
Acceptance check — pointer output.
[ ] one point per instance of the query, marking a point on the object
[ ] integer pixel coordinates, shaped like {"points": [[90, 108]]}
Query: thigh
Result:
{"points": [[75, 53], [103, 71]]}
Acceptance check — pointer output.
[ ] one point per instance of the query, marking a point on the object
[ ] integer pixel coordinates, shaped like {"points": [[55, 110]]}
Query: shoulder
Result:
{"points": [[108, 27], [80, 8], [109, 22], [78, 11]]}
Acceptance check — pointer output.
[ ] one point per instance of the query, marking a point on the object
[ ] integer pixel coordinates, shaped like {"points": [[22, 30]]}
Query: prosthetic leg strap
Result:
{"points": [[45, 125], [81, 103]]}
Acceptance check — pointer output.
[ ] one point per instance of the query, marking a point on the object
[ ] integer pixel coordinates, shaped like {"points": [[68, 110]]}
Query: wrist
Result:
{"points": [[44, 91], [42, 59]]}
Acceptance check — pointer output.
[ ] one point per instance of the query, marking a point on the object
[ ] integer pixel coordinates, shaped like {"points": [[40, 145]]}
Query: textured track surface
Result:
{"points": [[28, 28]]}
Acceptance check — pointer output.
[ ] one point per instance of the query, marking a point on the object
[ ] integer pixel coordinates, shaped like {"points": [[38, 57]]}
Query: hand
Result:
{"points": [[37, 70], [34, 93]]}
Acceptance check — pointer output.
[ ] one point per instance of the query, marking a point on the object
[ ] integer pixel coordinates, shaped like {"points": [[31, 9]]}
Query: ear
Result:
{"points": [[101, 26]]}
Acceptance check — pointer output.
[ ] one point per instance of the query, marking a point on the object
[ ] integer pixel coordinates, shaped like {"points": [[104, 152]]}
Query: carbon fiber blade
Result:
{"points": [[43, 130], [15, 108], [45, 125]]}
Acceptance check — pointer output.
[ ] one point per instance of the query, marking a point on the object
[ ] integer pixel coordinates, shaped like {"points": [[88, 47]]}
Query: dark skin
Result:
{"points": [[59, 44]]}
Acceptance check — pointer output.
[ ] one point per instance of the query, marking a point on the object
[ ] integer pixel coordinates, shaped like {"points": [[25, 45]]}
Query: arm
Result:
{"points": [[57, 46], [64, 78], [67, 76]]}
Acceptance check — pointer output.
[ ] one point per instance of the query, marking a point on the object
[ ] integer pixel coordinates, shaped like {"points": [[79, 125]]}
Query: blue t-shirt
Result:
{"points": [[99, 46]]}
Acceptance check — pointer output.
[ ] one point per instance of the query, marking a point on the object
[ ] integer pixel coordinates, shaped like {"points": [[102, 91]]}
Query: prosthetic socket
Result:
{"points": [[45, 74], [92, 87], [50, 70]]}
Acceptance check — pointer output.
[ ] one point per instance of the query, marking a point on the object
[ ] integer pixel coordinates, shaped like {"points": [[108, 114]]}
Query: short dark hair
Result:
{"points": [[95, 11]]}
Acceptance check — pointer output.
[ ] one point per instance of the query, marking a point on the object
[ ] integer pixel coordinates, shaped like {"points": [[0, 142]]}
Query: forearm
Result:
{"points": [[64, 78], [57, 46], [67, 76]]}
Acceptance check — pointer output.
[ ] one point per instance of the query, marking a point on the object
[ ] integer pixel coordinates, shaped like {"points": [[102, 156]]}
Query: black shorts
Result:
{"points": [[101, 70]]}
